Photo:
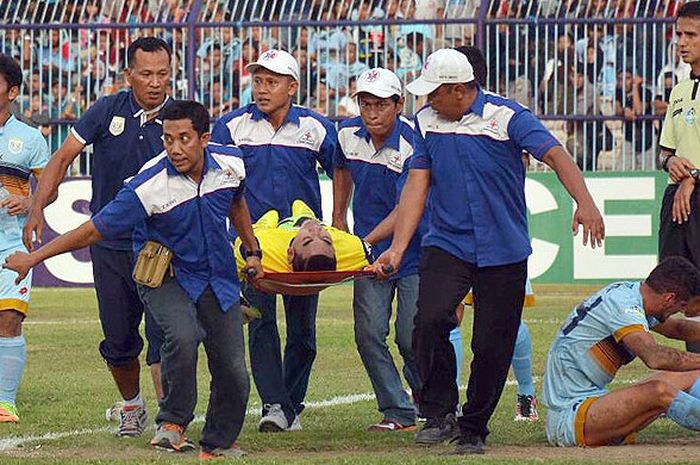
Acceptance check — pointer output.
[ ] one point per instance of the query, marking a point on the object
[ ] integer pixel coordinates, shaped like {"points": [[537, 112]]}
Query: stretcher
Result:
{"points": [[306, 282]]}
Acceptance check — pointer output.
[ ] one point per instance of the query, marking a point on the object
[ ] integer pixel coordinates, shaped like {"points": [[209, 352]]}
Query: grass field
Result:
{"points": [[66, 389]]}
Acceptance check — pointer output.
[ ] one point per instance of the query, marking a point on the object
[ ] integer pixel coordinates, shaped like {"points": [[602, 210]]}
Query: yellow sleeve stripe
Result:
{"points": [[14, 304], [622, 332]]}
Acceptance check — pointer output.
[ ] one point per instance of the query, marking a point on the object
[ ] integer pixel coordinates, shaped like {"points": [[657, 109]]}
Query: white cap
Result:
{"points": [[277, 61], [444, 66], [379, 82]]}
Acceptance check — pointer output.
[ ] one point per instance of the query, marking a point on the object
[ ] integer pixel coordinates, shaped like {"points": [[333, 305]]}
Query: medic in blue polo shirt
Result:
{"points": [[281, 144], [125, 130], [183, 198], [372, 150], [468, 155]]}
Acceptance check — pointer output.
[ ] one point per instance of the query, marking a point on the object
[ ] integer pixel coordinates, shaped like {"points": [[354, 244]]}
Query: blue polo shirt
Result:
{"points": [[374, 170], [280, 165], [186, 217], [122, 142], [477, 195], [411, 257]]}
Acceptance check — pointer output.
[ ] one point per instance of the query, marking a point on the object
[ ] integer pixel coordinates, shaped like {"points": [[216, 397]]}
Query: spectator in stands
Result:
{"points": [[347, 105], [338, 74], [633, 101], [584, 138]]}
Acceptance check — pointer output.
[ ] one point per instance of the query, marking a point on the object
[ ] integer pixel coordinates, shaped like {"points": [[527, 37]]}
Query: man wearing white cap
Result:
{"points": [[372, 149], [468, 154], [281, 144]]}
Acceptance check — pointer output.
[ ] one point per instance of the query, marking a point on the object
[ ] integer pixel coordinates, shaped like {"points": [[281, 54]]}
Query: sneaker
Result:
{"points": [[233, 452], [8, 413], [526, 408], [133, 420], [171, 437], [275, 420], [112, 413], [437, 430], [390, 425], [467, 445]]}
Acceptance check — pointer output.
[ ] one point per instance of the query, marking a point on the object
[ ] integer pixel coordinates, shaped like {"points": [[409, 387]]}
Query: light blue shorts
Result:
{"points": [[565, 426], [13, 296]]}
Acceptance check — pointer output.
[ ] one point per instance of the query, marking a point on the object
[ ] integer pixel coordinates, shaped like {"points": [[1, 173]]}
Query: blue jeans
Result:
{"points": [[186, 325], [279, 382], [372, 300]]}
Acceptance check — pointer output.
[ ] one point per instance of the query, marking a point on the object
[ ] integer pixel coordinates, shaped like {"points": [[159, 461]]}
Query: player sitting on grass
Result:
{"points": [[302, 243], [610, 329]]}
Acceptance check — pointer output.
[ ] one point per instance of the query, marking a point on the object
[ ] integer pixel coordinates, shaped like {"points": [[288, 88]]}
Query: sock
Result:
{"points": [[685, 410], [13, 356], [136, 401], [695, 389], [456, 340], [522, 362]]}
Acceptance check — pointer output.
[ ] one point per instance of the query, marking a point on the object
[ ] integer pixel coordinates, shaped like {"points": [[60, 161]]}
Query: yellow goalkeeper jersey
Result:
{"points": [[274, 237]]}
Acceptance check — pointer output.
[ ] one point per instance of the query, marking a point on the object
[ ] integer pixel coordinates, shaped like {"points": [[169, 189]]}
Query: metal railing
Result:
{"points": [[577, 64]]}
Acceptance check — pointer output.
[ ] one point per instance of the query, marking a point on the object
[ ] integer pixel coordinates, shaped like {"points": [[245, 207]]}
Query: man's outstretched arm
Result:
{"points": [[660, 357]]}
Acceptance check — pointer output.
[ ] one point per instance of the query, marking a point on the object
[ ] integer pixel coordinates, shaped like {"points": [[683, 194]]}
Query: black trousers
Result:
{"points": [[499, 292], [680, 239]]}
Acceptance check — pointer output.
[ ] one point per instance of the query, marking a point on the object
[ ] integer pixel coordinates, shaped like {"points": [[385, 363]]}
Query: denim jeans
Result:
{"points": [[186, 325], [282, 382], [372, 301]]}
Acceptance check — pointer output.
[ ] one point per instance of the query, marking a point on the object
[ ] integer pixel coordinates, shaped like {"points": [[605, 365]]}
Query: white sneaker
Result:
{"points": [[112, 413], [132, 421], [276, 421]]}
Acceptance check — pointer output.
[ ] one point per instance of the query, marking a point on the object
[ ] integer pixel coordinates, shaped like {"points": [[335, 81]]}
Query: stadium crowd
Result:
{"points": [[588, 70]]}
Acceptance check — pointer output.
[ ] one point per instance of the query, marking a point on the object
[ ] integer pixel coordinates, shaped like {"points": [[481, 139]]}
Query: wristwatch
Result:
{"points": [[695, 174], [253, 253]]}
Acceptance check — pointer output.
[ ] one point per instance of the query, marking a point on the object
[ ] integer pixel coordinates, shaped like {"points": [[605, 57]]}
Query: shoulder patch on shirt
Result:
{"points": [[15, 145], [307, 138], [690, 116], [116, 127]]}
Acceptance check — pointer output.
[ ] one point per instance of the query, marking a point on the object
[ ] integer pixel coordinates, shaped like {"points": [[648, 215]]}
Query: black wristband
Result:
{"points": [[253, 253], [664, 163]]}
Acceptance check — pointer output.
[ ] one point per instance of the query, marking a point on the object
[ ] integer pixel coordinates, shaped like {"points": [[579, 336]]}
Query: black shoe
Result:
{"points": [[467, 445], [437, 430]]}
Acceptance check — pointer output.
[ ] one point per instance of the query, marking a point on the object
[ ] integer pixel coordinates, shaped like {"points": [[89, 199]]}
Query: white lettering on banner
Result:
{"points": [[544, 253], [595, 263], [587, 263], [61, 217]]}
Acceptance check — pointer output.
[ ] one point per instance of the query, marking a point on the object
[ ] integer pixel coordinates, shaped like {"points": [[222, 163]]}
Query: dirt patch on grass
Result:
{"points": [[676, 451]]}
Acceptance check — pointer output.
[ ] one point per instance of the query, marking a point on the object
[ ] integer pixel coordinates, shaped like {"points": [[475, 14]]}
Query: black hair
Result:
{"points": [[188, 109], [677, 275], [689, 10], [476, 58], [11, 71], [147, 44], [314, 263]]}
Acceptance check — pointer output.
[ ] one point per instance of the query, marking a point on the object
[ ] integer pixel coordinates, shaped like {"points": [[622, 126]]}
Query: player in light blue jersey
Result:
{"points": [[605, 332], [23, 153]]}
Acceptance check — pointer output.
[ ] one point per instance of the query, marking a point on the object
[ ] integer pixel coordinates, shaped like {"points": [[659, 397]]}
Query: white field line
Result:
{"points": [[253, 411]]}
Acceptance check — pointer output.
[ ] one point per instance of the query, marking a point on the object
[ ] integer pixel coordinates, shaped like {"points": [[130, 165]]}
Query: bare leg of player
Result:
{"points": [[625, 411]]}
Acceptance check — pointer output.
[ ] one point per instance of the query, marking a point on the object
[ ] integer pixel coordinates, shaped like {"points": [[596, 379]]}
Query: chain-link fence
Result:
{"points": [[598, 72]]}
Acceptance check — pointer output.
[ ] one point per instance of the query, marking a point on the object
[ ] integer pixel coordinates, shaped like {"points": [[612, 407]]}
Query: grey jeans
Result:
{"points": [[185, 325]]}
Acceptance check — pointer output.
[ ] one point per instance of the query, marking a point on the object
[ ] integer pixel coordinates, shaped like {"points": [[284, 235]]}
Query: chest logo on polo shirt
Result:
{"points": [[395, 161], [307, 138], [15, 145], [492, 126], [690, 116], [116, 127]]}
